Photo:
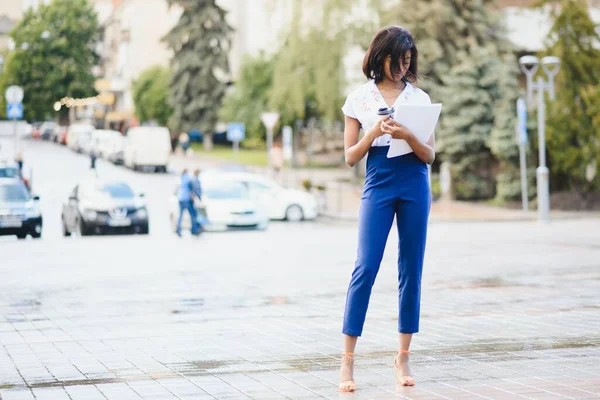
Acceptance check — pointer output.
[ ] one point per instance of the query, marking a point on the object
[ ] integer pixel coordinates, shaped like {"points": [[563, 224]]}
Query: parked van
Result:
{"points": [[78, 135], [148, 146]]}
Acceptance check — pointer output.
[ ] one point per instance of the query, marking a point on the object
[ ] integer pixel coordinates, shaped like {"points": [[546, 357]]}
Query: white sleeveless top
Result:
{"points": [[362, 104]]}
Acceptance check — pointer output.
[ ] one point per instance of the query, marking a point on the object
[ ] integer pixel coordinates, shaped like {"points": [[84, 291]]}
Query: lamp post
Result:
{"points": [[529, 65]]}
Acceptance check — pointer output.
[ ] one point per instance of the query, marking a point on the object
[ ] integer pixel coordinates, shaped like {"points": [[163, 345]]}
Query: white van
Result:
{"points": [[77, 135], [147, 146]]}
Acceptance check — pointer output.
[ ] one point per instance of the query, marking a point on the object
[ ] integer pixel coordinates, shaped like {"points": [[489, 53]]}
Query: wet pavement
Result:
{"points": [[509, 310]]}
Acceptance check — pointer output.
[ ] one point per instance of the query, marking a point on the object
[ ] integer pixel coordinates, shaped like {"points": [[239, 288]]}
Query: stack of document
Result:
{"points": [[420, 120]]}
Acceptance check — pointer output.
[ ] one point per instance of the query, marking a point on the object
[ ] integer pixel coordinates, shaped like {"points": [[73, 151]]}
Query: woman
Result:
{"points": [[394, 187]]}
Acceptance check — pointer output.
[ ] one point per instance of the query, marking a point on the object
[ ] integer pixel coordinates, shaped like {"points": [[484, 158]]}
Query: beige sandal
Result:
{"points": [[403, 380], [348, 386]]}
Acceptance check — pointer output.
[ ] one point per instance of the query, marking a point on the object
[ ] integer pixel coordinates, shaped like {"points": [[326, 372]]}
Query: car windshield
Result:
{"points": [[114, 190], [224, 191], [9, 172], [13, 193]]}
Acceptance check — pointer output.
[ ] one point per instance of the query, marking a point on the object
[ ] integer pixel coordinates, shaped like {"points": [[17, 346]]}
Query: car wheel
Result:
{"points": [[144, 230], [294, 213], [81, 229], [21, 235], [36, 235], [263, 226]]}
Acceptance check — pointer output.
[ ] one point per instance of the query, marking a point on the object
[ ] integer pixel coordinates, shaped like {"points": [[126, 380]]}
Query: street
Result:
{"points": [[509, 310]]}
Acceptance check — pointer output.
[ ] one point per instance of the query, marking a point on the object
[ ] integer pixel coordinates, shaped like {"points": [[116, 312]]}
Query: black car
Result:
{"points": [[19, 211], [98, 207], [48, 130]]}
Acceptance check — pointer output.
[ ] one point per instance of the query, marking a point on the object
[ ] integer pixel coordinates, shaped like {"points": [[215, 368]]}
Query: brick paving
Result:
{"points": [[510, 311]]}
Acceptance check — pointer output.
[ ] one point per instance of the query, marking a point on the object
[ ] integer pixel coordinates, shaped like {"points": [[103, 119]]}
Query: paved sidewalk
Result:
{"points": [[510, 311]]}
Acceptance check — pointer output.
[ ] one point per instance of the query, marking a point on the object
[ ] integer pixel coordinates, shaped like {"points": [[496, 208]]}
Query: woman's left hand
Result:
{"points": [[395, 129]]}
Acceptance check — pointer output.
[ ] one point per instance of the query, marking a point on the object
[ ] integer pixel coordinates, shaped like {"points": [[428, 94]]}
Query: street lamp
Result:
{"points": [[529, 65]]}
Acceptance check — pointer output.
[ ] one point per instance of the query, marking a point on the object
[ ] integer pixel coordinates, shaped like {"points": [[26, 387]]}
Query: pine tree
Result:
{"points": [[466, 63], [572, 131], [201, 41]]}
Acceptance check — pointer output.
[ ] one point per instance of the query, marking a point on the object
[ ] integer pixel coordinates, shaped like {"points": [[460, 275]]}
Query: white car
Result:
{"points": [[104, 141], [225, 205], [281, 203], [78, 135]]}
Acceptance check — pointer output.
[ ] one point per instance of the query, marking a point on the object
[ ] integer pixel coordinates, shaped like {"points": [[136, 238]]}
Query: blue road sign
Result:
{"points": [[14, 111], [236, 132], [522, 121]]}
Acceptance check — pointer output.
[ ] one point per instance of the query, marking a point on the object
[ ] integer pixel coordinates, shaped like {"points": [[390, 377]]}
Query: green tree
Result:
{"points": [[308, 79], [54, 55], [151, 95], [466, 62], [572, 129], [249, 97], [201, 41]]}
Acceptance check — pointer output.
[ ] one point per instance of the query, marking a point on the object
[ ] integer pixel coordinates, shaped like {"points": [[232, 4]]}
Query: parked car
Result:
{"points": [[61, 135], [109, 141], [282, 203], [147, 146], [77, 135], [11, 170], [97, 207], [48, 130], [94, 141], [35, 131], [20, 214], [225, 205]]}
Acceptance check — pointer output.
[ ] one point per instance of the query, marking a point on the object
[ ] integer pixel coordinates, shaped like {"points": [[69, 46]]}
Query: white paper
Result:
{"points": [[420, 120]]}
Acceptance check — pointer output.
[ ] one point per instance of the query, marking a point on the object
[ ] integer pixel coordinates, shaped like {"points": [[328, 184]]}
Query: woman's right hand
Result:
{"points": [[375, 130]]}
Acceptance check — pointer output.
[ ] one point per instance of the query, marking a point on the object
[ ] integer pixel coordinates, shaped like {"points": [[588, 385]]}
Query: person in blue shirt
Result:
{"points": [[197, 191], [186, 202]]}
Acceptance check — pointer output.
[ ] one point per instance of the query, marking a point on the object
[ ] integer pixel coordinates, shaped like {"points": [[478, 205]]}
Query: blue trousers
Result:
{"points": [[189, 207], [394, 187]]}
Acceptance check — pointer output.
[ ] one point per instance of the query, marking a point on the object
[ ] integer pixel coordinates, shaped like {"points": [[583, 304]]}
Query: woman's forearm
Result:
{"points": [[356, 152], [422, 150]]}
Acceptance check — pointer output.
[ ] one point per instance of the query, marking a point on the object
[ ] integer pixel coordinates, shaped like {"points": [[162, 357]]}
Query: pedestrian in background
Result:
{"points": [[184, 142], [185, 196], [277, 158], [93, 158], [19, 160], [197, 193], [394, 187]]}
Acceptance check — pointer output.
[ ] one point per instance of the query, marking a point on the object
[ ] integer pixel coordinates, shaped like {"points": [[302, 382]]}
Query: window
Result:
{"points": [[14, 193], [9, 172], [258, 186], [221, 192], [116, 190]]}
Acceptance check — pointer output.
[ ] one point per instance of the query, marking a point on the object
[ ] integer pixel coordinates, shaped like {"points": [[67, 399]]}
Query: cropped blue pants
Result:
{"points": [[394, 187]]}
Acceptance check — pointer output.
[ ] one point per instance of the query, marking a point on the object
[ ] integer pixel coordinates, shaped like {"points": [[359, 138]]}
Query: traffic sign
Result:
{"points": [[236, 132], [269, 119], [522, 121], [14, 111], [14, 94]]}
